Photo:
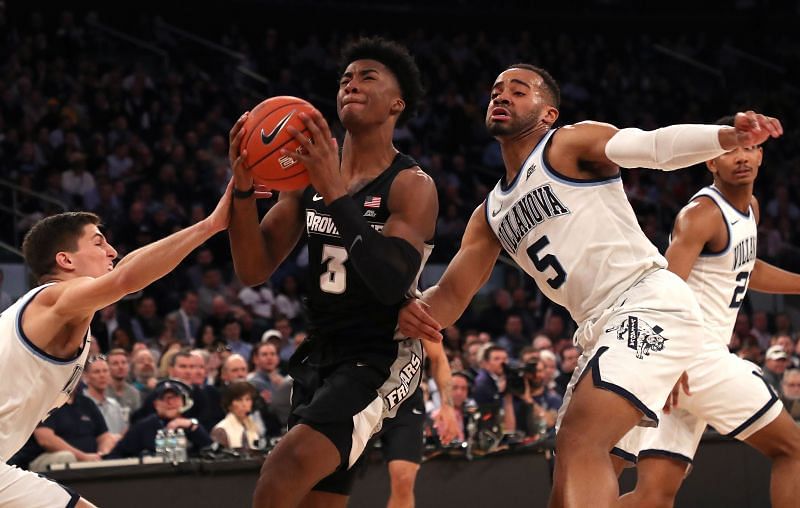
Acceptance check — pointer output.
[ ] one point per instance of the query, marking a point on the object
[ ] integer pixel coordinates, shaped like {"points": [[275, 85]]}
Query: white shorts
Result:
{"points": [[640, 346], [23, 489], [728, 393]]}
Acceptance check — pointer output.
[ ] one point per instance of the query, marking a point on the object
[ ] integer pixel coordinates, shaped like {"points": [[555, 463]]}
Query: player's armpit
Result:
{"points": [[697, 225]]}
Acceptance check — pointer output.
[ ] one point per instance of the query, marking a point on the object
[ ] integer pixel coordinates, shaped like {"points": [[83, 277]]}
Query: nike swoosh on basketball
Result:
{"points": [[268, 138], [316, 197]]}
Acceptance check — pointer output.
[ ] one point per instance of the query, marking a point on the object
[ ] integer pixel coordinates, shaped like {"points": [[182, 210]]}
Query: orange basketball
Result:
{"points": [[266, 134]]}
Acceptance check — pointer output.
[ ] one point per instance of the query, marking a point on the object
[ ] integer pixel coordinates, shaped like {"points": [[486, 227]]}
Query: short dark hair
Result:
{"points": [[398, 60], [180, 354], [550, 84], [52, 235], [725, 120], [491, 349], [236, 391]]}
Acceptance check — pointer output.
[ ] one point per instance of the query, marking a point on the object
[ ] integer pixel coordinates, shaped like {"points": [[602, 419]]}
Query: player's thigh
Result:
{"points": [[320, 499], [730, 394], [659, 476], [780, 437], [23, 489]]}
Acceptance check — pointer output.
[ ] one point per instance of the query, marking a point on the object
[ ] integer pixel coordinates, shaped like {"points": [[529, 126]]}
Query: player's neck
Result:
{"points": [[366, 154], [517, 148], [739, 196]]}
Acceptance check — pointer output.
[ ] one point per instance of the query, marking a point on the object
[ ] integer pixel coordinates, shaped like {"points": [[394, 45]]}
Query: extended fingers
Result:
{"points": [[238, 126]]}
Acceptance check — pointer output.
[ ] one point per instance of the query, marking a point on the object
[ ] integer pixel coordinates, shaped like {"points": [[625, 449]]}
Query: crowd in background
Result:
{"points": [[98, 124]]}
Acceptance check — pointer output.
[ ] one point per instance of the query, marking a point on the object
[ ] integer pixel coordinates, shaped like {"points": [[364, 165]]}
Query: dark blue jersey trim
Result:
{"points": [[35, 349], [705, 253], [594, 365]]}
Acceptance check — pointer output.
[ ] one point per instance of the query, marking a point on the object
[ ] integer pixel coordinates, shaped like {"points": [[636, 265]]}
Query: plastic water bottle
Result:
{"points": [[161, 443], [171, 445], [181, 453]]}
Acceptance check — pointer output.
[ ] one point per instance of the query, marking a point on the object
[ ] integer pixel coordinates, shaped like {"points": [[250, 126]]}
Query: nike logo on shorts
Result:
{"points": [[268, 138]]}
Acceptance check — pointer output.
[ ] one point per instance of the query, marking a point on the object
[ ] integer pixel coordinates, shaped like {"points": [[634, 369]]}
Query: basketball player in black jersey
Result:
{"points": [[368, 218]]}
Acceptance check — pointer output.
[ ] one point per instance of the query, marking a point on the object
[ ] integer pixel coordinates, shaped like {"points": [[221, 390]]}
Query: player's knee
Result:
{"points": [[571, 442], [403, 481]]}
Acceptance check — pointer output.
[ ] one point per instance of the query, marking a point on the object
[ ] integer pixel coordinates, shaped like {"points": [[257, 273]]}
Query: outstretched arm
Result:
{"points": [[603, 147], [442, 304], [771, 279]]}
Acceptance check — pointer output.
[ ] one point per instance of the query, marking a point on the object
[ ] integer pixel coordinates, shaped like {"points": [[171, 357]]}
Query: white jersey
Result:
{"points": [[578, 239], [719, 279], [34, 382]]}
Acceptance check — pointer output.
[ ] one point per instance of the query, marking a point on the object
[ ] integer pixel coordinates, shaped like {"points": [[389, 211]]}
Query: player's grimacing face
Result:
{"points": [[95, 256], [367, 92], [739, 166], [515, 103]]}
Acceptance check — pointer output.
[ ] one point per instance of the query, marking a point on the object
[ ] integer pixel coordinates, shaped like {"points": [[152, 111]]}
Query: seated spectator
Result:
{"points": [[237, 429], [187, 319], [489, 388], [76, 432], [171, 399], [790, 392], [775, 363], [98, 379], [128, 397], [181, 369], [265, 376], [232, 334], [144, 371], [569, 360]]}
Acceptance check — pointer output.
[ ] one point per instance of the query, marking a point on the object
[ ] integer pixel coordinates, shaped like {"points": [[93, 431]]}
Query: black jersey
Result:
{"points": [[346, 321]]}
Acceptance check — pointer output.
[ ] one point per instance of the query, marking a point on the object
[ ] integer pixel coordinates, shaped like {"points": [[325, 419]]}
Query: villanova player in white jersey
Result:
{"points": [[713, 247], [44, 336], [561, 213]]}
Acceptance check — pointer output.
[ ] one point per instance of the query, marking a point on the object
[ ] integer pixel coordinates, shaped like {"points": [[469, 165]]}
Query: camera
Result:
{"points": [[516, 375]]}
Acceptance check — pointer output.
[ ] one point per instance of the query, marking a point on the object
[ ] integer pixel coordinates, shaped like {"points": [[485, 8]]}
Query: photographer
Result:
{"points": [[490, 384], [535, 405]]}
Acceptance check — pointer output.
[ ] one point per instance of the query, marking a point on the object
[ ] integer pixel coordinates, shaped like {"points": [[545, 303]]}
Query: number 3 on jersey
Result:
{"points": [[547, 261], [334, 280]]}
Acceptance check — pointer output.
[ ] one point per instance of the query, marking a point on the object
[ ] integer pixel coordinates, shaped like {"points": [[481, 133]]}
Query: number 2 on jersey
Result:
{"points": [[334, 280], [548, 261], [738, 293]]}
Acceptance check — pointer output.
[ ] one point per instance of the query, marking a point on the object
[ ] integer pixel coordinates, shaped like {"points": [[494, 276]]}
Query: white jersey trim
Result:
{"points": [[31, 347]]}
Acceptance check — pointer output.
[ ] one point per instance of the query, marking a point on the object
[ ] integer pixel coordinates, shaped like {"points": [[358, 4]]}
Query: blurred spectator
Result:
{"points": [[211, 288], [170, 398], [259, 300], [232, 335], [790, 392], [146, 324], [760, 329], [287, 347], [106, 322], [265, 376], [238, 430], [288, 300], [569, 360], [490, 384], [126, 394], [512, 339], [98, 380], [187, 318], [144, 371], [776, 361]]}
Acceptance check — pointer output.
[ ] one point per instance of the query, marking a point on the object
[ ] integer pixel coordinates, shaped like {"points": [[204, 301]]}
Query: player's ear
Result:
{"points": [[397, 107], [550, 116], [712, 166], [64, 261]]}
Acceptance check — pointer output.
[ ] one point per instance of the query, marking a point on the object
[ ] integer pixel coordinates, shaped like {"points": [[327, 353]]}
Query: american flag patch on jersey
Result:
{"points": [[372, 202]]}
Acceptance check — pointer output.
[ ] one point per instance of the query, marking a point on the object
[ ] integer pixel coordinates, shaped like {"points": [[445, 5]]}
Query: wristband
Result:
{"points": [[240, 194]]}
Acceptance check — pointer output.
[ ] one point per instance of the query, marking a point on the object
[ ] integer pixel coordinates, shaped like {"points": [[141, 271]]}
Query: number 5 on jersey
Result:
{"points": [[334, 280], [547, 261]]}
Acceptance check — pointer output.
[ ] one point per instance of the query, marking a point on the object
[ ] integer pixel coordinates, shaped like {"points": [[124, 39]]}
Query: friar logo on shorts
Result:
{"points": [[640, 336], [407, 373]]}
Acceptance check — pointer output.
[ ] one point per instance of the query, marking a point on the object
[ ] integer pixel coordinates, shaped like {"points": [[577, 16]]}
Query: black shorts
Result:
{"points": [[402, 437], [347, 402]]}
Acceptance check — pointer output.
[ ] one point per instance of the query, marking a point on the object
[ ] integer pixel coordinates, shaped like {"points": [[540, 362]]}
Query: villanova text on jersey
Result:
{"points": [[744, 252], [528, 212]]}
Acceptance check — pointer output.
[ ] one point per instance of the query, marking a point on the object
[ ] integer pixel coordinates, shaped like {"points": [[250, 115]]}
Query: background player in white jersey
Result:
{"points": [[44, 336], [713, 247], [563, 216]]}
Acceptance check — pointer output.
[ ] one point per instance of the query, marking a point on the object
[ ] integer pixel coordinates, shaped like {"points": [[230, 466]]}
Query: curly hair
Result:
{"points": [[398, 60]]}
